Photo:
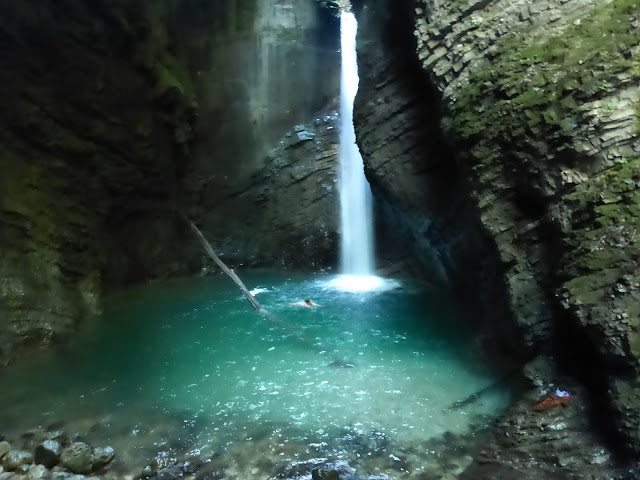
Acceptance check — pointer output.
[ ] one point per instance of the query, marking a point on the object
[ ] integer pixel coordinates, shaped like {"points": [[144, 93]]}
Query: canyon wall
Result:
{"points": [[119, 113], [538, 127]]}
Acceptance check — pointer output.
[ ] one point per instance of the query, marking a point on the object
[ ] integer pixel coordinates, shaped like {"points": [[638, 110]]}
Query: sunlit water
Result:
{"points": [[187, 366]]}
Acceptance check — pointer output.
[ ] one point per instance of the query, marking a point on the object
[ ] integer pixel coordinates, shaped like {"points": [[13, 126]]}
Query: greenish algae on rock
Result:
{"points": [[540, 111], [83, 146], [538, 82], [117, 113], [549, 117]]}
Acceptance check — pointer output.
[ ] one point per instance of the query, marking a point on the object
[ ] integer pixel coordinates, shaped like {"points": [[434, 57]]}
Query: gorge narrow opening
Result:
{"points": [[184, 380]]}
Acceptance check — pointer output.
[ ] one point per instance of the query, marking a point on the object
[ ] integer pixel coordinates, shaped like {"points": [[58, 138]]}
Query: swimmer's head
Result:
{"points": [[308, 301]]}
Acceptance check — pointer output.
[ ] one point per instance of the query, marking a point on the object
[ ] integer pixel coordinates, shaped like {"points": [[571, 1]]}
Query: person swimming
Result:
{"points": [[308, 303]]}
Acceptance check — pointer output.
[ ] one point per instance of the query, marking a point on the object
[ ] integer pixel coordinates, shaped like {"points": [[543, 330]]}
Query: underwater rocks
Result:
{"points": [[48, 453], [78, 458], [15, 459], [52, 461], [541, 438]]}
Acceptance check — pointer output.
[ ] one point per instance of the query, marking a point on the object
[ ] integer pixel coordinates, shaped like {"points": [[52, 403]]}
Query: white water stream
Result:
{"points": [[355, 193]]}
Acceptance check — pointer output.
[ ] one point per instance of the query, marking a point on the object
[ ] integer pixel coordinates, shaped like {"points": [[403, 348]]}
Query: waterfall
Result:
{"points": [[355, 193]]}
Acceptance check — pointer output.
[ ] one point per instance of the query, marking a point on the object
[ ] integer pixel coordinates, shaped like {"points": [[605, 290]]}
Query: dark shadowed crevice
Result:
{"points": [[424, 210]]}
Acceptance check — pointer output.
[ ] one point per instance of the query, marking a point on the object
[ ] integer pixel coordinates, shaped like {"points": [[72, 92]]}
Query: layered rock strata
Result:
{"points": [[117, 114], [285, 213], [540, 104]]}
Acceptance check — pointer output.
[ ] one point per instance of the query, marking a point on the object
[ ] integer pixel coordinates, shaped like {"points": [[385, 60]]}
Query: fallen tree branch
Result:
{"points": [[225, 269], [297, 332], [476, 396]]}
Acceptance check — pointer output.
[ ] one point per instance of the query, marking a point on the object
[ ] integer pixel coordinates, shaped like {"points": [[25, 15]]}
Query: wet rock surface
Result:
{"points": [[291, 200], [48, 453], [420, 186], [77, 136], [544, 131], [177, 449], [14, 459], [76, 461], [108, 129], [541, 437], [77, 457]]}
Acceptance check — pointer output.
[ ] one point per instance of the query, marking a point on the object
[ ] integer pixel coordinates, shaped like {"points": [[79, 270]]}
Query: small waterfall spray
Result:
{"points": [[355, 193]]}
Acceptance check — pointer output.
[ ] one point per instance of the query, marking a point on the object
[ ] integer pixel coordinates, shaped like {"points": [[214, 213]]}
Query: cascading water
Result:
{"points": [[355, 194]]}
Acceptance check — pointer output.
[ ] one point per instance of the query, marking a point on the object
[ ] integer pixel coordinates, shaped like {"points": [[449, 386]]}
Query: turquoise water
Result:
{"points": [[188, 367]]}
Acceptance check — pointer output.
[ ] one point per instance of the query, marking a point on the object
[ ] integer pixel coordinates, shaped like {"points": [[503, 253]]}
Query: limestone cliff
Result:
{"points": [[91, 106], [539, 108], [116, 113]]}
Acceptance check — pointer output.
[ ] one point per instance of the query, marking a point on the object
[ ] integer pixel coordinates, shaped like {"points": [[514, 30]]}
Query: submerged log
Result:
{"points": [[225, 269], [477, 395]]}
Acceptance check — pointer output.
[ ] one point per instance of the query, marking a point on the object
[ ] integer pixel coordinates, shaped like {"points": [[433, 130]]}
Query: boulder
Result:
{"points": [[78, 458], [16, 458], [48, 453], [102, 456]]}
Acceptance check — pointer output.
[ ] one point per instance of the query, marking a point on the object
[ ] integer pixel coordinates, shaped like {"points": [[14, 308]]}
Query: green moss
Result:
{"points": [[169, 74], [606, 211], [538, 81]]}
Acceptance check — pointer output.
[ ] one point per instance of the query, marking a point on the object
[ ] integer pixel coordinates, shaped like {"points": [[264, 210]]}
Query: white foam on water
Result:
{"points": [[361, 283]]}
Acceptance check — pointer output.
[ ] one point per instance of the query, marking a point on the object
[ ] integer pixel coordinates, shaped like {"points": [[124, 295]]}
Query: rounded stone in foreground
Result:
{"points": [[16, 458], [102, 456], [48, 453], [78, 458]]}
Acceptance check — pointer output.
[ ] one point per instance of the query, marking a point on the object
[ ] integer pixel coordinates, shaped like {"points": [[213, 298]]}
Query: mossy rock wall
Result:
{"points": [[117, 113], [85, 144], [539, 106], [424, 215]]}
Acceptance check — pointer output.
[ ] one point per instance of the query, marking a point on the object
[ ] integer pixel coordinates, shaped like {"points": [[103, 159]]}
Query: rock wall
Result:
{"points": [[424, 213], [117, 113], [87, 129], [268, 66], [540, 105], [285, 214]]}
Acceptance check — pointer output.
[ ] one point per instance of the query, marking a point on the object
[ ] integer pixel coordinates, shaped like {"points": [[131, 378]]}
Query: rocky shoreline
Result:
{"points": [[55, 458], [538, 437]]}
